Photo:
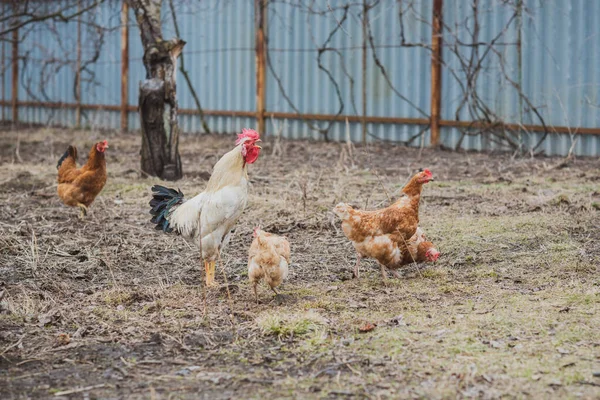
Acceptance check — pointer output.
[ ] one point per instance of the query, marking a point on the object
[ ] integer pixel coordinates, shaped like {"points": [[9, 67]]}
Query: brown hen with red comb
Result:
{"points": [[381, 234], [78, 187]]}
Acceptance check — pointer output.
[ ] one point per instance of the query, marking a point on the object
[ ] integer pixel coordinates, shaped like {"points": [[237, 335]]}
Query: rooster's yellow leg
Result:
{"points": [[209, 267]]}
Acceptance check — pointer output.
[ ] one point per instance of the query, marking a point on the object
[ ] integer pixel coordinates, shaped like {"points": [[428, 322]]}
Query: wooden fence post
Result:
{"points": [[15, 76], [260, 10], [436, 71], [78, 71], [3, 77], [3, 72], [364, 71], [124, 66]]}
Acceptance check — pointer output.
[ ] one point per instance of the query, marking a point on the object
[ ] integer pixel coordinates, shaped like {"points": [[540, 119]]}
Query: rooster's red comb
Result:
{"points": [[247, 133]]}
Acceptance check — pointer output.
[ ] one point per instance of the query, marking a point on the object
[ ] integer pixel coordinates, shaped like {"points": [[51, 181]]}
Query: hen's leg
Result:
{"points": [[383, 272], [209, 267], [279, 298], [255, 292], [355, 272], [395, 273], [83, 210]]}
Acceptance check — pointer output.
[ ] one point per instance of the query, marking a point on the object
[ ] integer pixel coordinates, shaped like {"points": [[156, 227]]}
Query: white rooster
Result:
{"points": [[216, 210]]}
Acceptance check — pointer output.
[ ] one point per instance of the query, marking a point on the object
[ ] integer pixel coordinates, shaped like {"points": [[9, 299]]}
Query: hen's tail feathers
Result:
{"points": [[71, 151], [164, 201]]}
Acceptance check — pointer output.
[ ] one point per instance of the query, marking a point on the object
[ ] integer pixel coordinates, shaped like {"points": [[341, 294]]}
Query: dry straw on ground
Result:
{"points": [[110, 307]]}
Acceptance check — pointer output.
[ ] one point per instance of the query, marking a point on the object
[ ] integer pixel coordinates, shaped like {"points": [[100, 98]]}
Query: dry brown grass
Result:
{"points": [[511, 309]]}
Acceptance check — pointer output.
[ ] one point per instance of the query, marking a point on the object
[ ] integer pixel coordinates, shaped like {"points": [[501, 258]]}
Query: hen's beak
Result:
{"points": [[258, 140]]}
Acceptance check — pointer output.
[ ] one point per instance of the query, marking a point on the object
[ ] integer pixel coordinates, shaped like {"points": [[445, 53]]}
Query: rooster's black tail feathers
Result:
{"points": [[163, 200]]}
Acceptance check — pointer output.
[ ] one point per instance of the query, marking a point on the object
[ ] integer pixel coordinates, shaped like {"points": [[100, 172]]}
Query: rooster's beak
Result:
{"points": [[258, 140]]}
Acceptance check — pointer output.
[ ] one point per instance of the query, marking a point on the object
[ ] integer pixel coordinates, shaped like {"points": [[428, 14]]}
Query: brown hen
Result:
{"points": [[383, 234], [268, 259], [78, 187]]}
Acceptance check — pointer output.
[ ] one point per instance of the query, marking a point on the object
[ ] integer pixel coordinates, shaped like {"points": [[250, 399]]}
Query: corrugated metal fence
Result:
{"points": [[511, 66]]}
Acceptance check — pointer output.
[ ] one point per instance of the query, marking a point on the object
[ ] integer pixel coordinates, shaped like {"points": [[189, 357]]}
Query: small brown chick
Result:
{"points": [[268, 258]]}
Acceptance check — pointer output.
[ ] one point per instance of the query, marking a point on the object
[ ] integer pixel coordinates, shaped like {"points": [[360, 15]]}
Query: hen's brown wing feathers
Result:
{"points": [[390, 220]]}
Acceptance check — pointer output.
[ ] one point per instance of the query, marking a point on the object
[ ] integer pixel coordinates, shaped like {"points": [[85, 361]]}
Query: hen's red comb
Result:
{"points": [[427, 172], [247, 133]]}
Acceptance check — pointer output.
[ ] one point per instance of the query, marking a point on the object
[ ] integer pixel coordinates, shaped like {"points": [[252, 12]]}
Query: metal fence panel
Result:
{"points": [[558, 72]]}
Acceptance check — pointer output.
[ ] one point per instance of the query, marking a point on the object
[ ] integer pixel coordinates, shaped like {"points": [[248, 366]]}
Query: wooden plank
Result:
{"points": [[325, 117], [526, 127], [350, 118], [125, 67], [15, 76], [363, 121], [3, 77], [260, 10], [78, 71], [436, 72]]}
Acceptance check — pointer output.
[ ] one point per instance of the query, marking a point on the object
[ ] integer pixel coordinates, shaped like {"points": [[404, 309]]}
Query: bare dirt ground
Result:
{"points": [[111, 308]]}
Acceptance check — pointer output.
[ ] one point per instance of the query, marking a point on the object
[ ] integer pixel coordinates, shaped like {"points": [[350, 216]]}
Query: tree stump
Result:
{"points": [[158, 95]]}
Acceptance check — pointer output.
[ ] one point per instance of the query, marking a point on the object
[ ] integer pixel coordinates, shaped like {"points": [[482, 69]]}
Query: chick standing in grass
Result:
{"points": [[268, 258]]}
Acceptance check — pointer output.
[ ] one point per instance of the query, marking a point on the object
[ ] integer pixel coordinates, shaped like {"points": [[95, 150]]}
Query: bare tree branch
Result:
{"points": [[27, 16], [185, 73]]}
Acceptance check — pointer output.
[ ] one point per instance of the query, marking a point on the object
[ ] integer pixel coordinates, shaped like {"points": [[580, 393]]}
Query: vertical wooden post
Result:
{"points": [[15, 76], [3, 72], [124, 66], [436, 71], [520, 67], [78, 71], [364, 71], [3, 77], [260, 10]]}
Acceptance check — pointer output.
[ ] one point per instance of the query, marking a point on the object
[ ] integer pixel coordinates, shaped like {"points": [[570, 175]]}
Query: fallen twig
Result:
{"points": [[12, 346], [79, 390], [488, 311], [588, 383]]}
